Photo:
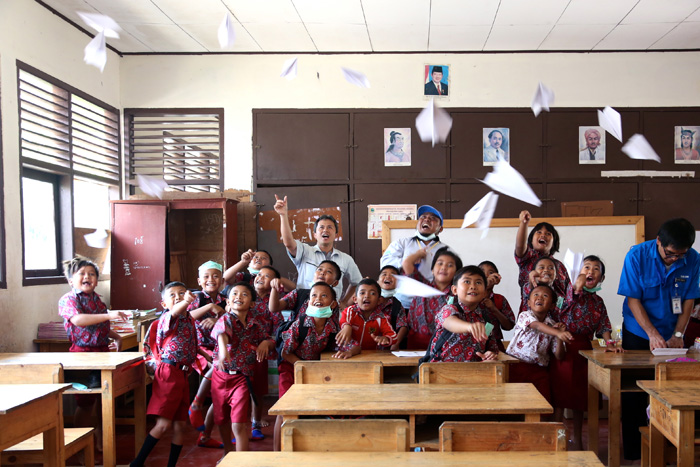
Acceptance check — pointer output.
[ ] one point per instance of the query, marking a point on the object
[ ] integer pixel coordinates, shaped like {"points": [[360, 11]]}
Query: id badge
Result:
{"points": [[676, 305]]}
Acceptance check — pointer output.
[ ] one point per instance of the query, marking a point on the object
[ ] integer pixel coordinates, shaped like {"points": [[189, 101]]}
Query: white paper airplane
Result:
{"points": [[433, 124], [611, 121], [574, 263], [96, 51], [97, 239], [508, 181], [413, 288], [226, 33], [542, 100], [289, 69], [101, 23], [637, 147], [482, 213], [151, 186], [355, 77]]}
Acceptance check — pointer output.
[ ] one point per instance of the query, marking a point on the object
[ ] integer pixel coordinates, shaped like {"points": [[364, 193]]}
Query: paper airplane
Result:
{"points": [[637, 147], [151, 186], [413, 288], [574, 263], [226, 33], [433, 124], [289, 69], [96, 51], [355, 77], [482, 213], [508, 181], [97, 239], [101, 23], [543, 98], [611, 122]]}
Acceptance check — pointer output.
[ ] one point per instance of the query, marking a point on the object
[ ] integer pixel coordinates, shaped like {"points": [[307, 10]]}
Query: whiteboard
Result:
{"points": [[607, 237]]}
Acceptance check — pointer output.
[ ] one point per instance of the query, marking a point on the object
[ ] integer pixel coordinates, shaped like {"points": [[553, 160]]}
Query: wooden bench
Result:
{"points": [[345, 435], [329, 372], [462, 373], [502, 436]]}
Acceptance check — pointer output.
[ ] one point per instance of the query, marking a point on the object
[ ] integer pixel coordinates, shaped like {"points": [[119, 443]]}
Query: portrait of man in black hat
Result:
{"points": [[437, 84]]}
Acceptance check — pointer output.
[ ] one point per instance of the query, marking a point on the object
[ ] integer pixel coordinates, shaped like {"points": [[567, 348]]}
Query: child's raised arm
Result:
{"points": [[180, 308], [276, 304], [559, 330], [521, 236], [410, 261], [458, 326], [285, 230], [506, 323], [240, 266]]}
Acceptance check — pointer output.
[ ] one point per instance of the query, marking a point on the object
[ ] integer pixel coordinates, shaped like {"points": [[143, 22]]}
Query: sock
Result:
{"points": [[174, 454], [146, 449]]}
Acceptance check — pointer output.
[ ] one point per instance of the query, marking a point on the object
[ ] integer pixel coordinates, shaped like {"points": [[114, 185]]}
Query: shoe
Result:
{"points": [[210, 443], [196, 418], [257, 434], [233, 441]]}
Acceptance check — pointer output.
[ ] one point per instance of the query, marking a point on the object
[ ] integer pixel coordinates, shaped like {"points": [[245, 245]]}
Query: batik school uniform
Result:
{"points": [[309, 348], [176, 338], [362, 329], [298, 301], [396, 314], [459, 347], [230, 388], [534, 349], [584, 316], [559, 301], [421, 314], [270, 322], [204, 339], [527, 263], [504, 307]]}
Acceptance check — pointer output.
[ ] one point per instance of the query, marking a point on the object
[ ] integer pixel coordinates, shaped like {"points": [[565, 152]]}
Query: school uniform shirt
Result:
{"points": [[243, 342], [362, 329], [261, 312], [76, 302], [530, 345], [460, 347], [421, 314], [388, 307], [504, 307], [644, 277], [585, 313], [308, 259], [182, 346], [525, 265], [244, 276], [313, 344], [292, 299], [202, 298]]}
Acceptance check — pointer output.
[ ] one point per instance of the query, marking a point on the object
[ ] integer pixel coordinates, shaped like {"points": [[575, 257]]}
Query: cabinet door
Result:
{"points": [[138, 255], [466, 195], [659, 130], [623, 195], [662, 201]]}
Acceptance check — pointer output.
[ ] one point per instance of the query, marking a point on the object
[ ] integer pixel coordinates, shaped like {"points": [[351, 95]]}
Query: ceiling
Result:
{"points": [[365, 26]]}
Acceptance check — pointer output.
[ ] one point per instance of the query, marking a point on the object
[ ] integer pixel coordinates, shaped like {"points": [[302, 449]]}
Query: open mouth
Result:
{"points": [[317, 304]]}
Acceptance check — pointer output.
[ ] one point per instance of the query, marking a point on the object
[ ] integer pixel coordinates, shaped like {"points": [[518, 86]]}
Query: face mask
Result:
{"points": [[424, 237], [319, 312], [253, 271], [388, 293], [593, 289]]}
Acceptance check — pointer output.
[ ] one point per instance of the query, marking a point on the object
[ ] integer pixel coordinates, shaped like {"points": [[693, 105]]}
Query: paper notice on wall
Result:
{"points": [[378, 213]]}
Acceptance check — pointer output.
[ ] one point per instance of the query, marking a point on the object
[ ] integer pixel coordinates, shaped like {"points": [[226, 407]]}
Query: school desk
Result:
{"points": [[129, 341], [611, 374], [121, 372], [673, 406], [394, 459], [29, 409], [410, 400]]}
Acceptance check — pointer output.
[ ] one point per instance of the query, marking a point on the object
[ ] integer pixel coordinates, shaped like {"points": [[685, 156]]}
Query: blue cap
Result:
{"points": [[431, 210]]}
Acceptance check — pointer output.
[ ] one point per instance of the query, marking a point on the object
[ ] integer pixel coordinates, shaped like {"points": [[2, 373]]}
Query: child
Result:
{"points": [[468, 341], [177, 341], [239, 342], [306, 339], [495, 308], [545, 272], [534, 339], [542, 241], [249, 266], [86, 321], [364, 326], [584, 315], [392, 306], [421, 315]]}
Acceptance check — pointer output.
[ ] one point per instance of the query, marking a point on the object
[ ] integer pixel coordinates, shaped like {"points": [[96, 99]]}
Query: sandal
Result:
{"points": [[256, 434], [196, 417]]}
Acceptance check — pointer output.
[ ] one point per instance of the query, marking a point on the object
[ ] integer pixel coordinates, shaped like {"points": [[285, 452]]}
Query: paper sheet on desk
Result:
{"points": [[414, 288], [409, 353], [669, 352]]}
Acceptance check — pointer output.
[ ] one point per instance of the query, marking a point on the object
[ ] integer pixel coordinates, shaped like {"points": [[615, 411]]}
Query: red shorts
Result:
{"points": [[230, 398], [522, 372], [87, 400], [202, 364], [286, 371], [260, 385], [418, 341], [171, 394]]}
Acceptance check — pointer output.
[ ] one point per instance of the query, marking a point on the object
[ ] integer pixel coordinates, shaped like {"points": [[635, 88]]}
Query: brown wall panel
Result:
{"points": [[659, 129], [622, 194], [467, 195], [665, 200]]}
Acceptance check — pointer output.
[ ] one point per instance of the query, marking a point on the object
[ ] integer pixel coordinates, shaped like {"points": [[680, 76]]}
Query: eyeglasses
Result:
{"points": [[673, 255]]}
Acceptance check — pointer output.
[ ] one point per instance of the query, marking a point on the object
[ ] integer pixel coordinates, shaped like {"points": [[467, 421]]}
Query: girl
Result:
{"points": [[584, 315], [544, 272], [495, 308], [542, 241], [421, 314], [391, 306]]}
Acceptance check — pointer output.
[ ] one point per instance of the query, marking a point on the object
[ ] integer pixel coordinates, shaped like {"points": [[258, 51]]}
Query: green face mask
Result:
{"points": [[319, 312], [593, 289], [388, 293]]}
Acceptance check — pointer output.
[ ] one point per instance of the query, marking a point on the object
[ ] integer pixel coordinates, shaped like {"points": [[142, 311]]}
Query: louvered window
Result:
{"points": [[181, 146]]}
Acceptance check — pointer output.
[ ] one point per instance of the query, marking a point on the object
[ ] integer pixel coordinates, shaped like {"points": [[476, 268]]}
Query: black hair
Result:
{"points": [[251, 289], [597, 259], [544, 258], [445, 251], [488, 263], [496, 131], [338, 272], [392, 139], [323, 284], [369, 281], [275, 271], [678, 232], [267, 253], [170, 285], [326, 217], [551, 290], [72, 266], [472, 271], [389, 266], [550, 228]]}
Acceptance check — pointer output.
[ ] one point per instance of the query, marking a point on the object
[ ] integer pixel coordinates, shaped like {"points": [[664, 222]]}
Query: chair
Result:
{"points": [[31, 450], [329, 372], [502, 436], [345, 435], [462, 373]]}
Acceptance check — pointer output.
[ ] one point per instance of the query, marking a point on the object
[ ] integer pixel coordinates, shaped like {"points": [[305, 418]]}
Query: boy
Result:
{"points": [[249, 266], [177, 341], [495, 308], [391, 305], [364, 326]]}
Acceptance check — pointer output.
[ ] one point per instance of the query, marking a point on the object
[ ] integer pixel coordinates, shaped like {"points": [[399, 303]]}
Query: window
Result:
{"points": [[70, 169]]}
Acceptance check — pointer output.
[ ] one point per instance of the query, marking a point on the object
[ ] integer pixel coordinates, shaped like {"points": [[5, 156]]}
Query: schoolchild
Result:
{"points": [[392, 305], [544, 272], [495, 308], [249, 266]]}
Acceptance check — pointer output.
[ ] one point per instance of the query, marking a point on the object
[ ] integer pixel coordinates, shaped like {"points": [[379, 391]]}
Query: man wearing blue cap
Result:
{"points": [[428, 227]]}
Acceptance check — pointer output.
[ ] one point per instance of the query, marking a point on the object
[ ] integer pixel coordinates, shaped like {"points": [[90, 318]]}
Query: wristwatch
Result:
{"points": [[678, 334]]}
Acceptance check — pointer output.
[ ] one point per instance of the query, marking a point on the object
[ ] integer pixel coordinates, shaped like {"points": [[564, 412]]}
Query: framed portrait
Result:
{"points": [[397, 147], [496, 143], [685, 138], [436, 80], [591, 145]]}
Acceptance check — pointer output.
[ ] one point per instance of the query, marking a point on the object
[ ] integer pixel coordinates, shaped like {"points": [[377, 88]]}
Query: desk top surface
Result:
{"points": [[409, 399], [75, 360], [392, 459], [629, 359], [677, 395], [14, 396], [389, 359]]}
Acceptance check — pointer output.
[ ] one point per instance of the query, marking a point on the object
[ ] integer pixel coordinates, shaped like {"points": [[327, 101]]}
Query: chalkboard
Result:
{"points": [[608, 237]]}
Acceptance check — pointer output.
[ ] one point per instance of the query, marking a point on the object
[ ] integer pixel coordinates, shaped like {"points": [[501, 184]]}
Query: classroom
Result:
{"points": [[325, 142]]}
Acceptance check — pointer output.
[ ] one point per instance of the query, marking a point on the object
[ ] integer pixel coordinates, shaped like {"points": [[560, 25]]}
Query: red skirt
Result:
{"points": [[569, 377], [418, 341], [522, 372]]}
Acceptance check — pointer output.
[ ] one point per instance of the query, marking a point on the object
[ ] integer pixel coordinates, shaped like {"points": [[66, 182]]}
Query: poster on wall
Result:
{"points": [[378, 213], [435, 80], [591, 145], [684, 139], [496, 143], [397, 147]]}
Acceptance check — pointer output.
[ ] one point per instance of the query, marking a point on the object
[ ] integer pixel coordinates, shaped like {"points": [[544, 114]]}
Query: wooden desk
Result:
{"points": [[611, 374], [29, 409], [129, 341], [395, 459], [411, 400], [121, 372], [673, 406]]}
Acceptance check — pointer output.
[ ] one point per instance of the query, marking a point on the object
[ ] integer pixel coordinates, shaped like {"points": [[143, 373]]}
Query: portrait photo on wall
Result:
{"points": [[496, 143], [436, 80], [685, 140], [397, 147], [591, 145]]}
